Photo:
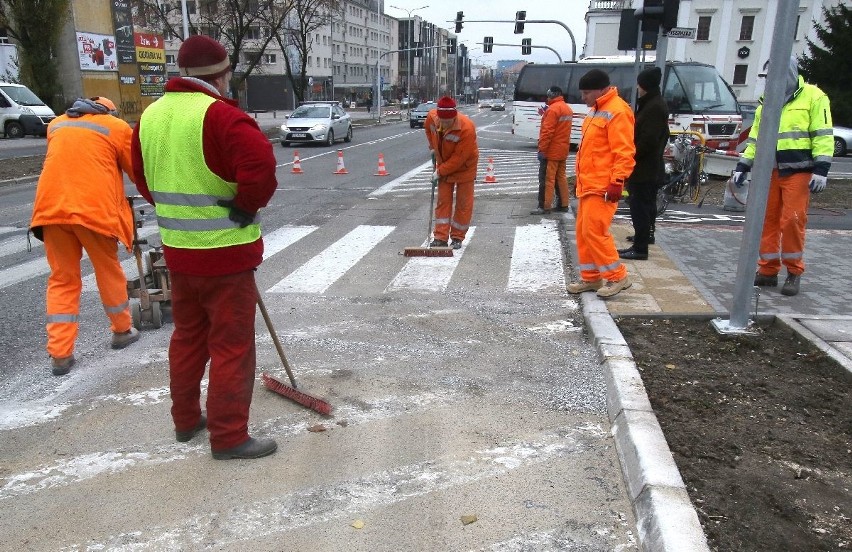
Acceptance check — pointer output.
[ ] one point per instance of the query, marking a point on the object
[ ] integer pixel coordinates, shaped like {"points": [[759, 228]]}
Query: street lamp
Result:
{"points": [[409, 37]]}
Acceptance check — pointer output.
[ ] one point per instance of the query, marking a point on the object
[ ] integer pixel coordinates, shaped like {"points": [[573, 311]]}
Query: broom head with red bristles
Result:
{"points": [[428, 252], [315, 404]]}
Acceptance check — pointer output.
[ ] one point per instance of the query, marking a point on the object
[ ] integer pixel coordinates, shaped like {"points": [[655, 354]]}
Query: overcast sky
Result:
{"points": [[570, 12]]}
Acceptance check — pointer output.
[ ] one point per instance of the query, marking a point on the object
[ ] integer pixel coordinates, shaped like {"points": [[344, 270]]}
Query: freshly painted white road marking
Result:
{"points": [[429, 273], [319, 273], [283, 238], [537, 259]]}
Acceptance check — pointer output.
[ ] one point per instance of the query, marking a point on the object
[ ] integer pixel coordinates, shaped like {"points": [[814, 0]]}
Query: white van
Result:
{"points": [[22, 112]]}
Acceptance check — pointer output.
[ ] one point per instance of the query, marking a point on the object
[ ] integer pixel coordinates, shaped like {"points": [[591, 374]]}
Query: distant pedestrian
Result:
{"points": [[650, 137], [207, 169], [554, 141], [80, 204], [604, 162], [803, 157], [456, 160]]}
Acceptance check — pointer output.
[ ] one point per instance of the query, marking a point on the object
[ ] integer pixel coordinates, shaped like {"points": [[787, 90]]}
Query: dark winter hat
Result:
{"points": [[201, 56], [650, 78], [554, 91], [447, 108], [594, 80]]}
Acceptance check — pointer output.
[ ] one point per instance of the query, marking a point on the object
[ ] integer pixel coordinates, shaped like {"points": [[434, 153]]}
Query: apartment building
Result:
{"points": [[733, 35]]}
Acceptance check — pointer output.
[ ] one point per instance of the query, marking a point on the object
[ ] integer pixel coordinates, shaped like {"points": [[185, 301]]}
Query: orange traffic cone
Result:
{"points": [[297, 163], [489, 172], [382, 171], [341, 169]]}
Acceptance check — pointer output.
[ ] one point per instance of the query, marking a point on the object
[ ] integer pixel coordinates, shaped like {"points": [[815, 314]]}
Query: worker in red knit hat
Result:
{"points": [[207, 169], [452, 137]]}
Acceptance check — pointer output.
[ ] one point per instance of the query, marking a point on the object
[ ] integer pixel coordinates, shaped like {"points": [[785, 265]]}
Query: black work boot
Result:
{"points": [[791, 284], [763, 280]]}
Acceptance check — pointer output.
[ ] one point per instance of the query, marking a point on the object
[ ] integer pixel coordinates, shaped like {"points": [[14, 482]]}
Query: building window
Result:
{"points": [[190, 7], [703, 32], [253, 33], [269, 59], [4, 36], [747, 27], [170, 59], [740, 74]]}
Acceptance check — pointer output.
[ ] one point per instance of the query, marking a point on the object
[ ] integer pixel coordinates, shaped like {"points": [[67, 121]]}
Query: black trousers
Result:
{"points": [[643, 211], [542, 177]]}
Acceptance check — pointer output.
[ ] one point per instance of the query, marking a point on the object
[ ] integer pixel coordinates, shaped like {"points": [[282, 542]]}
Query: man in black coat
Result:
{"points": [[650, 136]]}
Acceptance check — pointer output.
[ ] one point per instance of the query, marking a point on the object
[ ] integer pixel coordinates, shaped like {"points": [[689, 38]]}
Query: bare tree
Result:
{"points": [[245, 27], [297, 36]]}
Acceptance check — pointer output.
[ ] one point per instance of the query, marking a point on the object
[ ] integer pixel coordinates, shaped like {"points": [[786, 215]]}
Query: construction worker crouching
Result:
{"points": [[605, 160], [802, 160], [456, 159], [80, 204]]}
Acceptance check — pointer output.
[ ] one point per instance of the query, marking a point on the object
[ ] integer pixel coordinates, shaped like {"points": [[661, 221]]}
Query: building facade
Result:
{"points": [[733, 35]]}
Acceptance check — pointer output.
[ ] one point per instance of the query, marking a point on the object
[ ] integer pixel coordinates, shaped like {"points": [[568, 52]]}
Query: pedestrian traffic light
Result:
{"points": [[459, 17], [451, 46], [526, 46], [488, 44], [520, 16]]}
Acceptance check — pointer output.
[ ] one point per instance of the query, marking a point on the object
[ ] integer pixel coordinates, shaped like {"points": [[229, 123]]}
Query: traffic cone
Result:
{"points": [[489, 172], [382, 171], [297, 163], [341, 169]]}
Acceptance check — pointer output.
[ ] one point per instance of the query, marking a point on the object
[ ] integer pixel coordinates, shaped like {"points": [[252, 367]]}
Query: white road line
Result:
{"points": [[339, 499], [397, 181], [318, 274], [8, 229], [283, 238], [429, 273], [17, 244], [537, 259]]}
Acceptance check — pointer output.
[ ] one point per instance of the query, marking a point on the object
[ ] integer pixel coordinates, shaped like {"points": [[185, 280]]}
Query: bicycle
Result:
{"points": [[685, 173]]}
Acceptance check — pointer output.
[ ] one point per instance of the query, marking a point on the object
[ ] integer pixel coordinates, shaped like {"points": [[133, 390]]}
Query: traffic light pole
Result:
{"points": [[378, 93], [528, 46], [564, 26]]}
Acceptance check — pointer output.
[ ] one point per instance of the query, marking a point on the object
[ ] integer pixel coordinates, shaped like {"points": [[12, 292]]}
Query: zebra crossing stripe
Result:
{"points": [[319, 273], [537, 259], [429, 273], [284, 237]]}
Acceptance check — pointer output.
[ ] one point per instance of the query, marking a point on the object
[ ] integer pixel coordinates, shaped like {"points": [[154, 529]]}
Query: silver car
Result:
{"points": [[417, 117], [842, 140], [317, 122]]}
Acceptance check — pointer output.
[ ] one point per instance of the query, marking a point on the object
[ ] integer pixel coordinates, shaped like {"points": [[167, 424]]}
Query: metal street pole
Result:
{"points": [[409, 37], [779, 60]]}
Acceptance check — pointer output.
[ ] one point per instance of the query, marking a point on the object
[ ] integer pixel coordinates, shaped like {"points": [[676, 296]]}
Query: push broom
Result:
{"points": [[429, 251], [315, 404]]}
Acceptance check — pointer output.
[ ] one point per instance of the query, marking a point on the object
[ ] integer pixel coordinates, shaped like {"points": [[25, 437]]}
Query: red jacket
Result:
{"points": [[237, 151]]}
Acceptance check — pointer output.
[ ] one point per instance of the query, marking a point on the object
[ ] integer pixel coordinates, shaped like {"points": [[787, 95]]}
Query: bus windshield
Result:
{"points": [[484, 96], [698, 89]]}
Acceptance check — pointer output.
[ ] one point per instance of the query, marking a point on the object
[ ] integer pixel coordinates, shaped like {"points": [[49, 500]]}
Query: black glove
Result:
{"points": [[236, 214]]}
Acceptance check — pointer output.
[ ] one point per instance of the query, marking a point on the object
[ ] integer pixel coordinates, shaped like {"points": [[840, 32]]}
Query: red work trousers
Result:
{"points": [[783, 238], [63, 246], [449, 222], [555, 176], [214, 320], [596, 250]]}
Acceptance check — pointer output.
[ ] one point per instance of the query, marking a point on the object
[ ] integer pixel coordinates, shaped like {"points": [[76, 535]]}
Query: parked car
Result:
{"points": [[407, 102], [498, 105], [317, 122], [418, 114], [842, 140]]}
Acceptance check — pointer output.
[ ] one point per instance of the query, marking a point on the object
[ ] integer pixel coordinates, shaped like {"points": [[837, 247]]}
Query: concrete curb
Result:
{"points": [[666, 520], [802, 325]]}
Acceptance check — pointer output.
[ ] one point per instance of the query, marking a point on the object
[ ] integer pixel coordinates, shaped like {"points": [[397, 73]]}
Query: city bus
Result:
{"points": [[699, 99], [484, 97]]}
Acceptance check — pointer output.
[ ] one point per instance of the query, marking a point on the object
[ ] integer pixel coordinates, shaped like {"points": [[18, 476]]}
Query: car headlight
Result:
{"points": [[284, 128], [27, 111]]}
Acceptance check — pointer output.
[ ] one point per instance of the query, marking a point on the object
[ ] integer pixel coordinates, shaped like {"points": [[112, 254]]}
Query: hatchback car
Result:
{"points": [[317, 122], [842, 140], [417, 117], [498, 105]]}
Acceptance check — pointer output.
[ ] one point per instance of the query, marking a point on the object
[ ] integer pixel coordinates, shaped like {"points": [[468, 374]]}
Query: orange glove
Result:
{"points": [[613, 192]]}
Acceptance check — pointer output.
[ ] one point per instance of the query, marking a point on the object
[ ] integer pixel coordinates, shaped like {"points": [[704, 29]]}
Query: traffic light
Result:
{"points": [[526, 46], [670, 9], [459, 17], [451, 46], [488, 44], [520, 16], [658, 12]]}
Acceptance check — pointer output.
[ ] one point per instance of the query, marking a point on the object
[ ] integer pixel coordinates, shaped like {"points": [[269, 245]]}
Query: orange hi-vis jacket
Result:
{"points": [[430, 126], [456, 151], [81, 182], [606, 153], [554, 137]]}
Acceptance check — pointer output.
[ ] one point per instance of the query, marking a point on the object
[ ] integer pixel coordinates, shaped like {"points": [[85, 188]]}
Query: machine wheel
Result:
{"points": [[14, 129], [330, 141], [136, 315], [156, 314], [348, 135]]}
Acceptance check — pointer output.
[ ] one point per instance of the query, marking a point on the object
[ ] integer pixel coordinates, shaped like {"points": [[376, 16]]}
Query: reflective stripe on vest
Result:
{"points": [[62, 318], [116, 309], [184, 189], [81, 124]]}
